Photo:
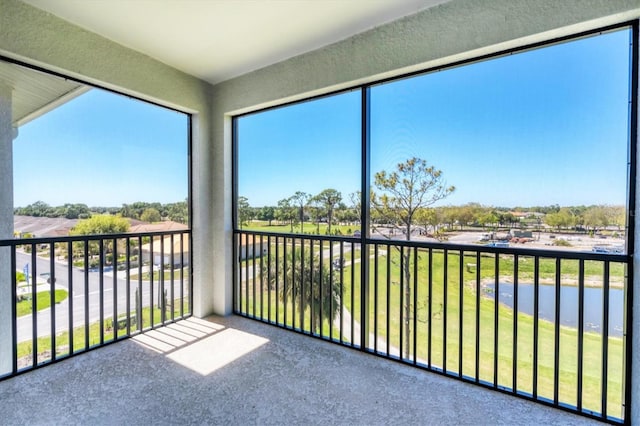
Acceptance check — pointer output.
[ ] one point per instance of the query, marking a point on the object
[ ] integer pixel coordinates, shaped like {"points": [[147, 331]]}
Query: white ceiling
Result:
{"points": [[219, 39]]}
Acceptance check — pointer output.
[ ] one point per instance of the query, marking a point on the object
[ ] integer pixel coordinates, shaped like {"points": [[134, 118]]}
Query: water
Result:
{"points": [[568, 305]]}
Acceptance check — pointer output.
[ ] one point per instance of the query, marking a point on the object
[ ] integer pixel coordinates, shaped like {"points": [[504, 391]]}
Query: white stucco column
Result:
{"points": [[6, 228]]}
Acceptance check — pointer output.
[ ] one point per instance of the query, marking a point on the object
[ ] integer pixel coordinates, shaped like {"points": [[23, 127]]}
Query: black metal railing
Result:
{"points": [[540, 324], [73, 294]]}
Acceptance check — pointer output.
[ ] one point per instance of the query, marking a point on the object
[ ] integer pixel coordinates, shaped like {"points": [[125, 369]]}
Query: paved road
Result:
{"points": [[84, 295]]}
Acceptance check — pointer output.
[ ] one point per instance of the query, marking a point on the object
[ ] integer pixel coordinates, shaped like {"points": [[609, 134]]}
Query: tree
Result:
{"points": [[309, 287], [267, 213], [244, 211], [414, 185], [286, 212], [328, 199], [300, 199], [426, 218], [178, 212], [150, 215], [101, 224], [488, 219], [561, 219]]}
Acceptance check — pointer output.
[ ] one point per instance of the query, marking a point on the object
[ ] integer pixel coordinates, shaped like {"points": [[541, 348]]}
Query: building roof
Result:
{"points": [[43, 226], [167, 245], [58, 226], [166, 225]]}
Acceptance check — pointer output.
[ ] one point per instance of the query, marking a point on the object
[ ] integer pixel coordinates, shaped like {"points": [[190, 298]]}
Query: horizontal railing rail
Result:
{"points": [[75, 293], [546, 325]]}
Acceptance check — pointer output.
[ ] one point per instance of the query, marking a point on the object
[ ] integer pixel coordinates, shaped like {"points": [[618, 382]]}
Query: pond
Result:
{"points": [[568, 305]]}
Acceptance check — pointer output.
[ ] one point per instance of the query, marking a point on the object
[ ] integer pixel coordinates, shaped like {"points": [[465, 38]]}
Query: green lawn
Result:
{"points": [[460, 335], [108, 333], [306, 228], [43, 301]]}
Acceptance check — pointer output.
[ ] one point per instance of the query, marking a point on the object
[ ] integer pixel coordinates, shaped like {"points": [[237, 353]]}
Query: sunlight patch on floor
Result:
{"points": [[200, 345]]}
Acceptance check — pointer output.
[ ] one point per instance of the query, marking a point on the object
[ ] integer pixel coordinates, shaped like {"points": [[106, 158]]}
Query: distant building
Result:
{"points": [[250, 249], [161, 252]]}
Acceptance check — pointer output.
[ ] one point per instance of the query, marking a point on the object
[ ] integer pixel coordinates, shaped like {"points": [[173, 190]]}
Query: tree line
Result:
{"points": [[328, 207], [144, 211]]}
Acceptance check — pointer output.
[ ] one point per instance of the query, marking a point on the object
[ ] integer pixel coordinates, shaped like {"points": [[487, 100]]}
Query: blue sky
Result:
{"points": [[548, 126], [543, 127], [102, 149]]}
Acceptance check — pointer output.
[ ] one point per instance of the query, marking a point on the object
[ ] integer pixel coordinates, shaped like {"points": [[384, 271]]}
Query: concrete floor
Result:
{"points": [[237, 371]]}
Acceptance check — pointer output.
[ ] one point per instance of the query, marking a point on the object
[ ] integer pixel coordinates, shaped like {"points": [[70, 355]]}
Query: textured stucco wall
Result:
{"points": [[6, 227], [39, 38]]}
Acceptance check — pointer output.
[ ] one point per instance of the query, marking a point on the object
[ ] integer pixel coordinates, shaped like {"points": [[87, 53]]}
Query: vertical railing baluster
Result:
{"points": [[101, 294], [14, 310], [402, 302], [86, 294], [301, 288], [342, 290], [151, 282], [161, 290], [353, 279], [190, 295], [580, 348], [128, 284], [496, 317], [536, 301], [388, 299], [284, 283], [34, 307], [114, 264], [70, 294], [460, 311], [514, 379], [52, 297], [320, 288], [269, 279], [375, 298], [261, 277], [477, 312], [430, 306], [294, 289], [277, 280], [445, 305], [246, 273], [182, 274], [139, 318], [330, 292], [253, 275], [605, 339], [415, 305], [556, 361], [172, 278]]}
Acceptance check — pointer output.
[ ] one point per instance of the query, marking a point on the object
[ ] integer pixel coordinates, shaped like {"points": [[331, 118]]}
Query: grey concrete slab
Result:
{"points": [[236, 371]]}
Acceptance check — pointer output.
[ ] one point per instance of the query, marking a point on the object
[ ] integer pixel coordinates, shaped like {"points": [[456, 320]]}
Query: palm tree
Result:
{"points": [[307, 284]]}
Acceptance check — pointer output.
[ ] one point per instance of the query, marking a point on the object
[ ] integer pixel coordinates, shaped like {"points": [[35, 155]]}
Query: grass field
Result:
{"points": [[85, 338], [444, 326], [43, 301]]}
